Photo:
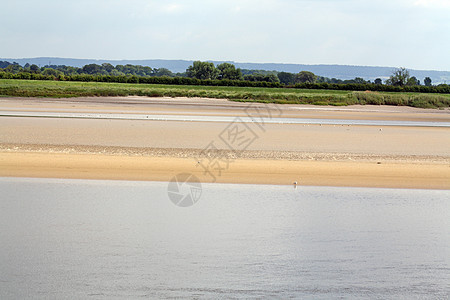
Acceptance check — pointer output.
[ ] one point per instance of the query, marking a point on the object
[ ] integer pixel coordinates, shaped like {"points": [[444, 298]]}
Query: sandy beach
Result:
{"points": [[275, 153]]}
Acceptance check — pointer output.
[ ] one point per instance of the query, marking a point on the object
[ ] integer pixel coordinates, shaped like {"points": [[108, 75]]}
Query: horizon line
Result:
{"points": [[230, 61]]}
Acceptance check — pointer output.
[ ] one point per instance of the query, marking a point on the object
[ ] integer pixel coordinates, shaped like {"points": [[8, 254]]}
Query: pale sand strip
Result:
{"points": [[254, 171], [197, 135]]}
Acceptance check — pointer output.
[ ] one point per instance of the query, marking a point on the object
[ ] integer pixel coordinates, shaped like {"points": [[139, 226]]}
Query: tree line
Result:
{"points": [[224, 74], [90, 69]]}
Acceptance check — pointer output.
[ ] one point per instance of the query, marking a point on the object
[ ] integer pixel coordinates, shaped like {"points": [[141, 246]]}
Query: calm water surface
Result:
{"points": [[75, 239], [225, 119]]}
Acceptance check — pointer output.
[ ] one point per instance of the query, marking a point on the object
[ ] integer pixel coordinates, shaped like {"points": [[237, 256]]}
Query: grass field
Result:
{"points": [[65, 89]]}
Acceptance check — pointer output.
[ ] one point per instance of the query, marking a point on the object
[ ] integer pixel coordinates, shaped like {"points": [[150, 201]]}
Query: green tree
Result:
{"points": [[413, 81], [335, 80], [378, 81], [93, 69], [13, 68], [286, 78], [271, 78], [305, 76], [52, 72], [262, 77], [163, 72], [4, 64], [359, 80], [107, 67], [115, 72], [34, 69], [67, 70], [202, 70], [229, 71], [427, 81], [399, 77]]}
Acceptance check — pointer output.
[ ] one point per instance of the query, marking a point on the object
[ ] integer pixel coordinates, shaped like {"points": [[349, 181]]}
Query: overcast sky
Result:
{"points": [[410, 33]]}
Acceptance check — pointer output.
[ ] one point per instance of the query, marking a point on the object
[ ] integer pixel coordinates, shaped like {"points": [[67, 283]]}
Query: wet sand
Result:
{"points": [[375, 156]]}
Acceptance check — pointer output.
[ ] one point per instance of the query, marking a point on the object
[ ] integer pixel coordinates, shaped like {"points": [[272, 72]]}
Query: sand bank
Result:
{"points": [[328, 155], [255, 171]]}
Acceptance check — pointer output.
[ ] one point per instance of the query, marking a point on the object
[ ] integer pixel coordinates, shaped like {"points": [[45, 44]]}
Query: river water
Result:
{"points": [[78, 239]]}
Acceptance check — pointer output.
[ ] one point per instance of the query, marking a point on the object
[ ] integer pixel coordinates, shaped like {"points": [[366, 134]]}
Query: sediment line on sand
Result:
{"points": [[230, 154]]}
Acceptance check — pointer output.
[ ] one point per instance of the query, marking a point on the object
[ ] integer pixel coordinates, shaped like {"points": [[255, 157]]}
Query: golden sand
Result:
{"points": [[255, 171]]}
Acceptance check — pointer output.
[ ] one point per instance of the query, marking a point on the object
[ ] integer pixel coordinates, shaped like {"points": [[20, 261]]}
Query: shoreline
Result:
{"points": [[358, 173]]}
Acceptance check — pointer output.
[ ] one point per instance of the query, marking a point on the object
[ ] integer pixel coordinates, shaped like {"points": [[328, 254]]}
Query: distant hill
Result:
{"points": [[332, 71]]}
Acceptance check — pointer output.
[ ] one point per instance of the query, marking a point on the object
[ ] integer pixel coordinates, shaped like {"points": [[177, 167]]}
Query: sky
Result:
{"points": [[396, 33]]}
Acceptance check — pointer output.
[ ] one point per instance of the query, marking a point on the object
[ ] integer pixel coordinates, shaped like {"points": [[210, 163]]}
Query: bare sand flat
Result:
{"points": [[349, 155], [256, 171], [275, 137]]}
